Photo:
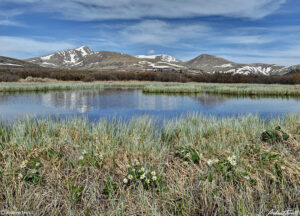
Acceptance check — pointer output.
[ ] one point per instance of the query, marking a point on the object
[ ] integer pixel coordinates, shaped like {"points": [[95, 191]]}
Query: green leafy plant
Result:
{"points": [[139, 174], [276, 135], [91, 159], [188, 154], [226, 168], [51, 153], [267, 157], [76, 193], [30, 171], [110, 187], [252, 149], [269, 136]]}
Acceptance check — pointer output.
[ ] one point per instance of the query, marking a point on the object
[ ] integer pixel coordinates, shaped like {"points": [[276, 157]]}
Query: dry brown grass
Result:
{"points": [[187, 188]]}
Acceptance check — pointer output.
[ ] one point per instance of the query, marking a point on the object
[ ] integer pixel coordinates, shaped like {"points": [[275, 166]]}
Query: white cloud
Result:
{"points": [[84, 10], [163, 33], [18, 47], [10, 23], [151, 52], [244, 39], [157, 32]]}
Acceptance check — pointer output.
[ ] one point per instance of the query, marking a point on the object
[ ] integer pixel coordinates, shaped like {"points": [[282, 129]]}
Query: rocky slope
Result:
{"points": [[212, 64], [65, 59], [85, 58]]}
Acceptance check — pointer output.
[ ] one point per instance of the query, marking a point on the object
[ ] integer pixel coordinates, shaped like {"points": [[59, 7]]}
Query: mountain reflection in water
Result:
{"points": [[127, 103]]}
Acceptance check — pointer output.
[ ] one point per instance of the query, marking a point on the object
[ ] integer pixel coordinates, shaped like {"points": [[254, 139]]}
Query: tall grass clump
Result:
{"points": [[189, 166], [26, 87], [230, 89]]}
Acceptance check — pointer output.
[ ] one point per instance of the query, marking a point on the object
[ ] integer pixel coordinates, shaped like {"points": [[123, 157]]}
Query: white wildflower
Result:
{"points": [[230, 159], [23, 164], [20, 176], [136, 162], [153, 173], [142, 176], [233, 162], [247, 177], [154, 178], [210, 162], [130, 177], [81, 157], [125, 180]]}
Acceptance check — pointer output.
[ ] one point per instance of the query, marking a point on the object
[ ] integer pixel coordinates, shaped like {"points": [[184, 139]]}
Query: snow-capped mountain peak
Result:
{"points": [[66, 58], [85, 50]]}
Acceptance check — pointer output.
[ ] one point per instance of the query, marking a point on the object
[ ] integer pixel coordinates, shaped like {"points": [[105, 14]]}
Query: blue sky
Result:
{"points": [[244, 31]]}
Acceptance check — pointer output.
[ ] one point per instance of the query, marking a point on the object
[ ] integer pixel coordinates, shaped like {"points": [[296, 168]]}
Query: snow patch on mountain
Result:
{"points": [[170, 64], [254, 70], [48, 57], [9, 64], [162, 57], [225, 66], [84, 50]]}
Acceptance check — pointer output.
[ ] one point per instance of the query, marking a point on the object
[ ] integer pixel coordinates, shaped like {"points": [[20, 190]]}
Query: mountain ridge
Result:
{"points": [[7, 63], [83, 57]]}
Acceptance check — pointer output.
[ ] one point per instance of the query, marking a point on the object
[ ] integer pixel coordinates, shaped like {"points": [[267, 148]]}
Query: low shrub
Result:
{"points": [[276, 135]]}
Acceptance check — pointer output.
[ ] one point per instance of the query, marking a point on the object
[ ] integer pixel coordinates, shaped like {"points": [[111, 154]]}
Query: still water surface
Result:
{"points": [[110, 103]]}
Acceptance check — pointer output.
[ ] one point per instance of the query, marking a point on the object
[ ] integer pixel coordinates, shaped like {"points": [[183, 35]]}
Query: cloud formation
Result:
{"points": [[10, 23], [151, 52], [19, 47], [86, 10], [156, 32]]}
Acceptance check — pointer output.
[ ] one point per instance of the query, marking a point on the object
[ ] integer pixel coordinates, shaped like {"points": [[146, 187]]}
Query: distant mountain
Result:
{"points": [[84, 58], [290, 70], [12, 64], [208, 63], [212, 64], [66, 58]]}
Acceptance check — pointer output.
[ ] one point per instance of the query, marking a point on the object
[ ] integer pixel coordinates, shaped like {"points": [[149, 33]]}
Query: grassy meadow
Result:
{"points": [[49, 86], [190, 166], [159, 87], [230, 89]]}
